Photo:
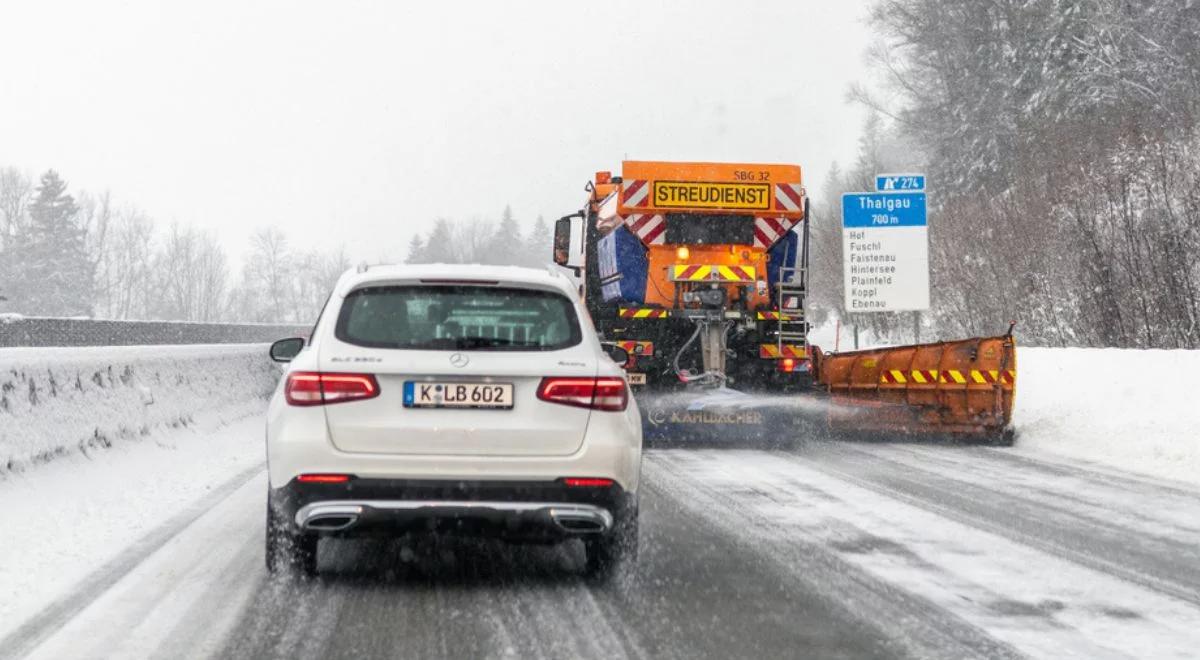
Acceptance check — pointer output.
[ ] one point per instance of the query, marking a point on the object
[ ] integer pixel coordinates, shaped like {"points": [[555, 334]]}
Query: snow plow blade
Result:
{"points": [[963, 388]]}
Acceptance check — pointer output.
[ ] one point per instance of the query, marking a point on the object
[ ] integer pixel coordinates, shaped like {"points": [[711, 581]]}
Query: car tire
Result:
{"points": [[614, 553], [287, 551]]}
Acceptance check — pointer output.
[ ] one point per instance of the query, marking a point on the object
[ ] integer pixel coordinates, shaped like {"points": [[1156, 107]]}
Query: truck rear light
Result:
{"points": [[787, 365], [323, 478], [313, 388], [588, 482], [609, 394]]}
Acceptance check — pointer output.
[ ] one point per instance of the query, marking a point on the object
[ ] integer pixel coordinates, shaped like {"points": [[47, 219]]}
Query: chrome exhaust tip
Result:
{"points": [[330, 523], [328, 517], [581, 520]]}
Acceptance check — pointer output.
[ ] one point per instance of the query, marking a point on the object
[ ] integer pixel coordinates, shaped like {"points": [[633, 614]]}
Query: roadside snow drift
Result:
{"points": [[59, 401], [1131, 409]]}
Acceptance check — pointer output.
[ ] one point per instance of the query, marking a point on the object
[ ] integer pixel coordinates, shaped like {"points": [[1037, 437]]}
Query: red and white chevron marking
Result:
{"points": [[789, 197], [635, 193], [652, 229], [769, 230]]}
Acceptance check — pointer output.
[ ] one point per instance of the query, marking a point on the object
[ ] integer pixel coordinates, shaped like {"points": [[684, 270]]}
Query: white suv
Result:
{"points": [[459, 399]]}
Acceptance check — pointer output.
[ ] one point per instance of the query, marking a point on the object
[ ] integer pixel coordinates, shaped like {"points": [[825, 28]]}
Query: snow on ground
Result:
{"points": [[66, 519], [100, 446], [1041, 603], [56, 402], [1130, 409]]}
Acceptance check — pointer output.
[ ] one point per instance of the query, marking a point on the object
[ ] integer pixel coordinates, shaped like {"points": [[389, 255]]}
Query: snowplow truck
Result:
{"points": [[698, 274]]}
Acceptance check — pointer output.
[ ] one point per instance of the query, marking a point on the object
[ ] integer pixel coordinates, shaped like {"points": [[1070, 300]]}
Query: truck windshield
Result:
{"points": [[457, 318]]}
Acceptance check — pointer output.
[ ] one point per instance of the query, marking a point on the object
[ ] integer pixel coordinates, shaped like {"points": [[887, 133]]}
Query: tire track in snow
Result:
{"points": [[1162, 510], [917, 626], [1032, 601], [697, 593], [44, 624], [1163, 564]]}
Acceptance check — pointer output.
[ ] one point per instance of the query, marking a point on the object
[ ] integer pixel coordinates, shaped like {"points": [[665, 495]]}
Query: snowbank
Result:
{"points": [[60, 401], [66, 521], [1131, 409]]}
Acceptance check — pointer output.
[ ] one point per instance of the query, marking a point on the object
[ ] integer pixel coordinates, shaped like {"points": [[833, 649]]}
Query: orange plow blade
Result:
{"points": [[957, 387]]}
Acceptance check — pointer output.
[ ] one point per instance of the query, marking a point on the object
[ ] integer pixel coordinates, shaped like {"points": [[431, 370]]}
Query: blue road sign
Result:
{"points": [[899, 182], [881, 209]]}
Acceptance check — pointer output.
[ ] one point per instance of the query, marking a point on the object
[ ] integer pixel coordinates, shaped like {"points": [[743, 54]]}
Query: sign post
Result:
{"points": [[885, 249]]}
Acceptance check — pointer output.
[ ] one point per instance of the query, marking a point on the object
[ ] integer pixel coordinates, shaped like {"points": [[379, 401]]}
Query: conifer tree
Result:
{"points": [[51, 274]]}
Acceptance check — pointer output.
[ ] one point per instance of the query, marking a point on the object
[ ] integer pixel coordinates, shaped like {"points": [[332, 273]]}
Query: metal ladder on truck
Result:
{"points": [[792, 292], [792, 328]]}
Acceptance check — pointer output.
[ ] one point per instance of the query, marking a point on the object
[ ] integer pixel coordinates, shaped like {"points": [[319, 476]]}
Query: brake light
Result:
{"points": [[608, 394], [312, 388], [787, 365], [588, 482], [323, 478]]}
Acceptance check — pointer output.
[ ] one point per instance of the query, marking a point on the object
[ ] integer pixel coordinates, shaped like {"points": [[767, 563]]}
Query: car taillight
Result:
{"points": [[588, 482], [596, 393], [323, 478], [312, 388]]}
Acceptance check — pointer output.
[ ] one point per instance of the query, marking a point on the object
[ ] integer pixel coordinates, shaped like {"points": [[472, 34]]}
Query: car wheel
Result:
{"points": [[614, 553], [287, 550]]}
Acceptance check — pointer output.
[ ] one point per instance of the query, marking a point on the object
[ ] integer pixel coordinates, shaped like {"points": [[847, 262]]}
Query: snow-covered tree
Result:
{"points": [[416, 250], [439, 247], [1062, 143], [505, 246], [535, 251], [47, 266]]}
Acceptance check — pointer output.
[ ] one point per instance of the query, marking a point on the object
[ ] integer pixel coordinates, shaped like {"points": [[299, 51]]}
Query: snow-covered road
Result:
{"points": [[832, 550]]}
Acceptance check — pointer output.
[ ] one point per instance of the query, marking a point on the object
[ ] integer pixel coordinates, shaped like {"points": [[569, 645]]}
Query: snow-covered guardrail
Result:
{"points": [[16, 330], [59, 401]]}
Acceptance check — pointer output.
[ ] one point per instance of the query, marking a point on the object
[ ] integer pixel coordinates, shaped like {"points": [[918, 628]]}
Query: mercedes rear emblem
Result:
{"points": [[459, 360]]}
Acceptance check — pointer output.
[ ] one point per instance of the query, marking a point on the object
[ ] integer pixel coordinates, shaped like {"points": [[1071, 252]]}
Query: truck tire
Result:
{"points": [[615, 553], [287, 551]]}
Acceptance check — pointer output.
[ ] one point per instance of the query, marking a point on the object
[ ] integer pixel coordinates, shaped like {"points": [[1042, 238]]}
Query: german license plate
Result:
{"points": [[637, 379], [457, 395]]}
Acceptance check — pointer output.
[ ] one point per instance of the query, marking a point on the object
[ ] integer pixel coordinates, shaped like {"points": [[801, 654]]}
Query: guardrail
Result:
{"points": [[40, 331]]}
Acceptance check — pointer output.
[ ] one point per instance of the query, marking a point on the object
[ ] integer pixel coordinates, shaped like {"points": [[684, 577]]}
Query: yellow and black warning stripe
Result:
{"points": [[642, 313], [773, 351], [706, 273], [778, 316], [948, 376]]}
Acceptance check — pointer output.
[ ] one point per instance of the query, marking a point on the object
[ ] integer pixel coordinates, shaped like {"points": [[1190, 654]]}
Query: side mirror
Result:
{"points": [[618, 354], [286, 349], [568, 241]]}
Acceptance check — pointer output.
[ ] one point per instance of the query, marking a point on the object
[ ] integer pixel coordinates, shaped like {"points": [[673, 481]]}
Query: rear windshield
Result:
{"points": [[458, 318]]}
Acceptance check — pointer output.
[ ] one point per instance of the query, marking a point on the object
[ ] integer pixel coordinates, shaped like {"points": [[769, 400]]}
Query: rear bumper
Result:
{"points": [[298, 443], [514, 510]]}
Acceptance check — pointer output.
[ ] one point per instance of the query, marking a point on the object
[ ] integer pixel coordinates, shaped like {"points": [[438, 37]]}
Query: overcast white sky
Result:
{"points": [[360, 122]]}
